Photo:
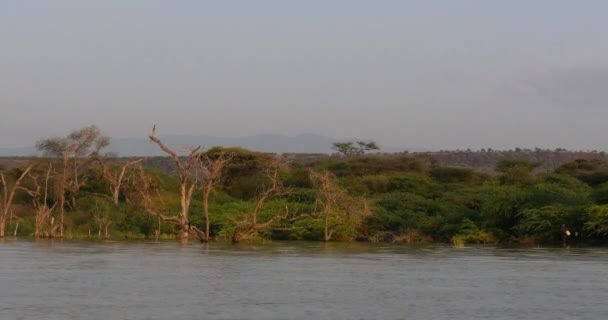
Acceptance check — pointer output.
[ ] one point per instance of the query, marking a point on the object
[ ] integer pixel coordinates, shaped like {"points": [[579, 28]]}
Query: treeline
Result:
{"points": [[237, 195], [485, 160]]}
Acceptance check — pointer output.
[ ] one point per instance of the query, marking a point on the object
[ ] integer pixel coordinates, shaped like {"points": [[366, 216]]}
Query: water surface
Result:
{"points": [[121, 280]]}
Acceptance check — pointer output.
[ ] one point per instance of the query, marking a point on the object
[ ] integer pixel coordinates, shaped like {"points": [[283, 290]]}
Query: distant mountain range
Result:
{"points": [[303, 143]]}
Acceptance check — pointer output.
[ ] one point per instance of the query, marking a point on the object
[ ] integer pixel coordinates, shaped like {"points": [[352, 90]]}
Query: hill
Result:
{"points": [[127, 147]]}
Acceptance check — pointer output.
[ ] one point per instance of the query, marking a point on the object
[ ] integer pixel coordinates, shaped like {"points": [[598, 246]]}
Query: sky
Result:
{"points": [[427, 74]]}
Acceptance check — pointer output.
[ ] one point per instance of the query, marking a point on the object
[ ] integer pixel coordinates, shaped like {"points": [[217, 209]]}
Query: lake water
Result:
{"points": [[121, 280]]}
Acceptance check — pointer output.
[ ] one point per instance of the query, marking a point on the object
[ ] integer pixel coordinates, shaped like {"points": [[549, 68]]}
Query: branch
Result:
{"points": [[9, 196], [168, 151]]}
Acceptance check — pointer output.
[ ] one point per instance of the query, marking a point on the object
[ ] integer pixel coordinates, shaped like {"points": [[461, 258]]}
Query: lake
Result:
{"points": [[293, 280]]}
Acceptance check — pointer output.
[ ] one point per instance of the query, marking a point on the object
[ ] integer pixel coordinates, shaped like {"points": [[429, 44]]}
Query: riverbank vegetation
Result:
{"points": [[237, 195]]}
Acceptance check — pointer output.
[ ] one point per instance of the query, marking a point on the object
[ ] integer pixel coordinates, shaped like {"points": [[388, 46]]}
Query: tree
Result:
{"points": [[544, 222], [73, 152], [339, 211], [8, 195], [249, 227], [144, 188], [351, 149], [592, 172], [43, 226], [188, 179], [501, 206], [506, 165], [101, 216], [597, 222], [113, 178], [212, 168]]}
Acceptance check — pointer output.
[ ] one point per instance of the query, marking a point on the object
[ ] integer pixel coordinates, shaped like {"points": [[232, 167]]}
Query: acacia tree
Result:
{"points": [[8, 195], [351, 149], [188, 179], [73, 152], [40, 194]]}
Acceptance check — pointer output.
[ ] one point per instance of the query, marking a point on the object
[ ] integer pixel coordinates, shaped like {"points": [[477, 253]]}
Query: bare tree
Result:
{"points": [[145, 189], [212, 168], [114, 179], [250, 225], [40, 194], [73, 152], [103, 221], [8, 195], [186, 171]]}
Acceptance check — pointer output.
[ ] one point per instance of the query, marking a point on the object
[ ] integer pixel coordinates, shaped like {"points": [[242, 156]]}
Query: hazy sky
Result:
{"points": [[434, 74]]}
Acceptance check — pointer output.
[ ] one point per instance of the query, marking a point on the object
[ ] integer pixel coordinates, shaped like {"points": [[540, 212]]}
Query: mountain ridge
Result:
{"points": [[275, 143]]}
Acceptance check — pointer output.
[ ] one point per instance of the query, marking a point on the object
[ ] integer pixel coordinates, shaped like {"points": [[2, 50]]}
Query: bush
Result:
{"points": [[470, 234]]}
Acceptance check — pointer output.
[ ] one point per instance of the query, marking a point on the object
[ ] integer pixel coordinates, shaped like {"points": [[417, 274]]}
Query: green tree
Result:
{"points": [[597, 221], [544, 223]]}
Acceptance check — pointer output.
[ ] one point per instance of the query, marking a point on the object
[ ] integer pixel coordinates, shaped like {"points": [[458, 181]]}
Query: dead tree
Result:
{"points": [[249, 227], [186, 172], [212, 168], [8, 195], [103, 223], [144, 191], [40, 194], [114, 179]]}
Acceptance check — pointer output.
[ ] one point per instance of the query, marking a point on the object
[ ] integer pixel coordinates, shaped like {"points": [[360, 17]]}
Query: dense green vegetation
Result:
{"points": [[258, 196]]}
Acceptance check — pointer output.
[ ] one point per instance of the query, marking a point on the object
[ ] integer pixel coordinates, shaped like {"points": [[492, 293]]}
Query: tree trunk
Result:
{"points": [[62, 208], [36, 231], [183, 220], [37, 226], [157, 235], [62, 195], [235, 235], [327, 235], [184, 226], [106, 234], [16, 229], [206, 209], [2, 226], [116, 195]]}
